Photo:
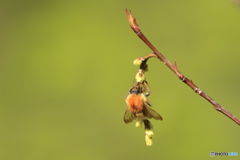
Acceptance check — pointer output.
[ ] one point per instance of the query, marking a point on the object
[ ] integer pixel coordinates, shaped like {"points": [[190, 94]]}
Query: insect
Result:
{"points": [[138, 105]]}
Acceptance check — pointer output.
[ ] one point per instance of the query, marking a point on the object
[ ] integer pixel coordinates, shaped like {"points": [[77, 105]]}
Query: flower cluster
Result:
{"points": [[138, 104]]}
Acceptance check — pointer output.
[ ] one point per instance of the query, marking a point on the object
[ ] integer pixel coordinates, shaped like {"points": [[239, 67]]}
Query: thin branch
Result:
{"points": [[174, 68]]}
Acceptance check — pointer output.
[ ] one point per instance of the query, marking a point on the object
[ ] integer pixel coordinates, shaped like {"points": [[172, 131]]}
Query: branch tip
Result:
{"points": [[132, 21]]}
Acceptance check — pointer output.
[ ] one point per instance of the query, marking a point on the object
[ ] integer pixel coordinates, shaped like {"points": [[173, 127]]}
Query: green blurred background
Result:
{"points": [[66, 66]]}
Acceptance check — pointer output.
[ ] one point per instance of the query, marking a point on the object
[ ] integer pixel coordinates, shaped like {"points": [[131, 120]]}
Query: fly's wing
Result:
{"points": [[128, 116], [148, 102], [153, 114]]}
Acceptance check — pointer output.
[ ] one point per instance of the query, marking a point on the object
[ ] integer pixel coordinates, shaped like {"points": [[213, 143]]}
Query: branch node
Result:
{"points": [[139, 32], [184, 79], [175, 65], [198, 90]]}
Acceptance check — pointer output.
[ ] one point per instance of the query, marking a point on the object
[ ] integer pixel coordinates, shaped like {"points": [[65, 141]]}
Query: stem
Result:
{"points": [[174, 68]]}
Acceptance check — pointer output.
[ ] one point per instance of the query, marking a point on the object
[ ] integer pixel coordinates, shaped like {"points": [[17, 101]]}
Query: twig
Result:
{"points": [[174, 68]]}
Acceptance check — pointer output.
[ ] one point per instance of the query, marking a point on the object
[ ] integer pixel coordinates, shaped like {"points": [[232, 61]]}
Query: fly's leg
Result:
{"points": [[145, 92], [146, 88]]}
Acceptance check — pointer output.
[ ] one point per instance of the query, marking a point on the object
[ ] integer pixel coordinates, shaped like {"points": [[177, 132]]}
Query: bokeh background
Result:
{"points": [[66, 66]]}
